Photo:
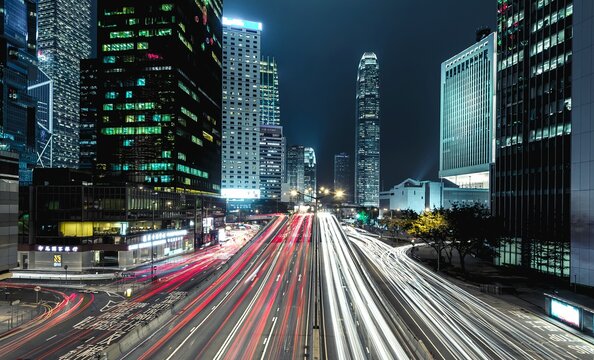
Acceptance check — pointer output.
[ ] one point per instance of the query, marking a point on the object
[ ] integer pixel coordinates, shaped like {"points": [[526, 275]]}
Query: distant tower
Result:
{"points": [[309, 172], [269, 96], [64, 38], [343, 175], [272, 142], [295, 168], [367, 140]]}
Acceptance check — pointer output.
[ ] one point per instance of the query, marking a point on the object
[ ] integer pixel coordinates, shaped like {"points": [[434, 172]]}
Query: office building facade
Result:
{"points": [[269, 94], [296, 170], [89, 69], [271, 160], [343, 176], [41, 89], [310, 169], [532, 172], [241, 110], [17, 65], [467, 114], [582, 138], [9, 209], [367, 138], [64, 37], [159, 95], [84, 225]]}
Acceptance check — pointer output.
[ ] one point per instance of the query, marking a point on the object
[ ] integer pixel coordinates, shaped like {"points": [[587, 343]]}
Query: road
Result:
{"points": [[258, 308], [84, 324], [356, 325], [456, 324]]}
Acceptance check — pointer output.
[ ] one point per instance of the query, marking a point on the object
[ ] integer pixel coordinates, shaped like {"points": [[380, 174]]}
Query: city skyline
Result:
{"points": [[326, 85]]}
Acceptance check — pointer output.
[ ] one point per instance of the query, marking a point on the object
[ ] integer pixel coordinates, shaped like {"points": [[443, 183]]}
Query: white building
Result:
{"points": [[427, 195], [467, 115], [241, 114]]}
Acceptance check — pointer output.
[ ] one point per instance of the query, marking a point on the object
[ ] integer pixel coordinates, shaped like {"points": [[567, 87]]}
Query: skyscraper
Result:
{"points": [[367, 140], [271, 159], [467, 115], [272, 142], [310, 168], [17, 65], [296, 169], [533, 132], [64, 39], [343, 175], [269, 95], [159, 86], [241, 116]]}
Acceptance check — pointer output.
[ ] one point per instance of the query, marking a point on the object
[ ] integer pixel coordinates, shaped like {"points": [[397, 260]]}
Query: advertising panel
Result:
{"points": [[565, 312]]}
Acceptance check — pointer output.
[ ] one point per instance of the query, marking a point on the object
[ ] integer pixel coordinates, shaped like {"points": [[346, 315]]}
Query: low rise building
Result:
{"points": [[420, 195], [74, 222]]}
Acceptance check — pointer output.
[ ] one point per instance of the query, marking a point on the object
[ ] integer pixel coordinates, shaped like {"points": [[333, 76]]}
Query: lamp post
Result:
{"points": [[153, 205]]}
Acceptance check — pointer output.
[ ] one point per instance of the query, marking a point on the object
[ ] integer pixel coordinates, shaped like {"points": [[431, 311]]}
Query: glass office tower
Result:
{"points": [[269, 95], [467, 116], [64, 37], [531, 185], [17, 66], [367, 141]]}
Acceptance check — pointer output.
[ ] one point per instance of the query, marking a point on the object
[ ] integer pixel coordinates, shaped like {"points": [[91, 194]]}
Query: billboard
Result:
{"points": [[567, 313]]}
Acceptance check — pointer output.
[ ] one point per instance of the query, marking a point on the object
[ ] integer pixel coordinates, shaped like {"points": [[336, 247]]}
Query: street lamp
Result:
{"points": [[153, 205]]}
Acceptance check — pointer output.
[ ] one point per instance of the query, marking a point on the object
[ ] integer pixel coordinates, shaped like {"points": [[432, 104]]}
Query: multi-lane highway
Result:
{"points": [[299, 289], [84, 324], [257, 309], [456, 324], [356, 325]]}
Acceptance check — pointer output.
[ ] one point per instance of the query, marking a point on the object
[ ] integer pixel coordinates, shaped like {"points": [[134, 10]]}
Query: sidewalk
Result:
{"points": [[524, 291], [13, 316]]}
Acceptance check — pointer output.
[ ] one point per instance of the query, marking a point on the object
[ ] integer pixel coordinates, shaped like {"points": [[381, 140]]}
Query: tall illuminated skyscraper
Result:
{"points": [[241, 115], [367, 140], [64, 39], [467, 116], [272, 142], [159, 94]]}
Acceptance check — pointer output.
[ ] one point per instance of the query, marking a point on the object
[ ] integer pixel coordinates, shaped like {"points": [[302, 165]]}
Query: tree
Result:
{"points": [[472, 229], [399, 222], [431, 227]]}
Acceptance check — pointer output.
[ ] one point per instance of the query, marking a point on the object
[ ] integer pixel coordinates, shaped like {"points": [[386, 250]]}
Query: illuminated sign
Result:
{"points": [[222, 235], [55, 248], [249, 25], [565, 312], [57, 260], [240, 193], [160, 238]]}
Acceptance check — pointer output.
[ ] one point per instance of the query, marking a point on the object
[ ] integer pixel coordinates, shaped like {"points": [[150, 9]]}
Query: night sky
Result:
{"points": [[318, 44]]}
